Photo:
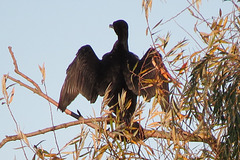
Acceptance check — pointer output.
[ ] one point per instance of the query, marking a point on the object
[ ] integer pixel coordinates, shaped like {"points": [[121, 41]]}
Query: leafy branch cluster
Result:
{"points": [[213, 90]]}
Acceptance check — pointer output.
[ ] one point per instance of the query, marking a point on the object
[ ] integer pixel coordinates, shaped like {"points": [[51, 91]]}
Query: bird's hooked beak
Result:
{"points": [[111, 26]]}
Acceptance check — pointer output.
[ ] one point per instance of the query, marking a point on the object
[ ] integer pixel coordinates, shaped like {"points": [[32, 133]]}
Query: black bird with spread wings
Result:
{"points": [[120, 69]]}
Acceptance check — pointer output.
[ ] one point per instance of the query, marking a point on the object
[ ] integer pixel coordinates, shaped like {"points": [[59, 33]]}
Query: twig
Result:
{"points": [[6, 97], [178, 14], [51, 114], [20, 73]]}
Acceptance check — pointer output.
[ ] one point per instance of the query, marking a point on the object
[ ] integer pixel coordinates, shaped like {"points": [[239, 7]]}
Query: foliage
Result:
{"points": [[213, 90]]}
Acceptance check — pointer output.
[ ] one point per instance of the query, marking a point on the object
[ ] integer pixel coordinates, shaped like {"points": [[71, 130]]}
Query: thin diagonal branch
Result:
{"points": [[37, 89], [20, 73]]}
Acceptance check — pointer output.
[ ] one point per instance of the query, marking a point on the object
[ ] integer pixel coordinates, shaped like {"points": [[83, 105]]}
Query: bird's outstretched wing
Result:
{"points": [[82, 75], [148, 77]]}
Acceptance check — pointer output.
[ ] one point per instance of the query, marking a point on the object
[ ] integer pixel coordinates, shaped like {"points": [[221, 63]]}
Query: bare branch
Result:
{"points": [[20, 73], [36, 90], [43, 131], [183, 136]]}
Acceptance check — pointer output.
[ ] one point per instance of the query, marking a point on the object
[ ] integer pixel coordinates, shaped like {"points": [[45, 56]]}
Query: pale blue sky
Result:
{"points": [[51, 32]]}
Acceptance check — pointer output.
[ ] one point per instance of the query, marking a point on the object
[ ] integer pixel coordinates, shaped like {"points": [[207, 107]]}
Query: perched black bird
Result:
{"points": [[120, 69]]}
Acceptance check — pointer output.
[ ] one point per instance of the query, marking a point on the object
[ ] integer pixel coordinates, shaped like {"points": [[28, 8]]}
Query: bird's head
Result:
{"points": [[121, 28]]}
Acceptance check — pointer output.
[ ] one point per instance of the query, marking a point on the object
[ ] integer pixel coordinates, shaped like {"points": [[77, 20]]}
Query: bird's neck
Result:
{"points": [[123, 41]]}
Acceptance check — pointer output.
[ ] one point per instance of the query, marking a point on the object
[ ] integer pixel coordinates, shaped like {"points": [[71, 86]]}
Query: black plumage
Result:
{"points": [[120, 69]]}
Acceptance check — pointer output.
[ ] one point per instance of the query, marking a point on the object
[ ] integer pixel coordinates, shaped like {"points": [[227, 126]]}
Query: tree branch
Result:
{"points": [[43, 131], [183, 136], [37, 89]]}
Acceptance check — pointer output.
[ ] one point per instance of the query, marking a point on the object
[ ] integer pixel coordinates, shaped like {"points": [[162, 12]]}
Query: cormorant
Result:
{"points": [[120, 69]]}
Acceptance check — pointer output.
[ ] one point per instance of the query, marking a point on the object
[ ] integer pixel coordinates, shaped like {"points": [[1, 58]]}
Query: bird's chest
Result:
{"points": [[113, 68], [114, 63]]}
